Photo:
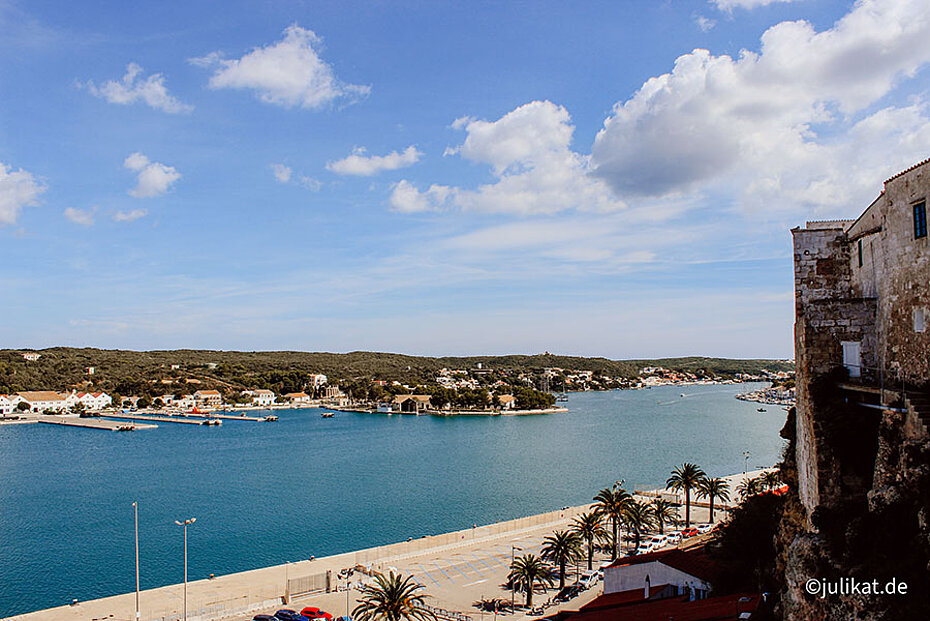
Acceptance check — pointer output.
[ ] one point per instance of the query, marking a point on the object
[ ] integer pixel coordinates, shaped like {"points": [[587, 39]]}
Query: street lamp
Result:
{"points": [[746, 462], [513, 589], [185, 524], [135, 507]]}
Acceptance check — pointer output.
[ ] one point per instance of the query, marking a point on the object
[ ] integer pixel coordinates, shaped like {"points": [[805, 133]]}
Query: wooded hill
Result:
{"points": [[149, 372]]}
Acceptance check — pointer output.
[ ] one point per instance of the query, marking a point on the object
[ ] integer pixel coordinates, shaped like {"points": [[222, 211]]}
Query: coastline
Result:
{"points": [[232, 596]]}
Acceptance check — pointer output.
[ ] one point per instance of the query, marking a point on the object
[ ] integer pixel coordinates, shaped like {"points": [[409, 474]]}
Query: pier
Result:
{"points": [[168, 419], [93, 423], [257, 419]]}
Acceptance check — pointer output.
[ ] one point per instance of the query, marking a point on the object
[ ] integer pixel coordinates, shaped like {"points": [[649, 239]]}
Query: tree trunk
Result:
{"points": [[562, 574], [529, 594], [613, 555], [590, 553], [687, 507], [711, 508]]}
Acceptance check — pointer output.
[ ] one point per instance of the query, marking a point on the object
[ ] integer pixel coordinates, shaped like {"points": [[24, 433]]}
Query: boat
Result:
{"points": [[562, 397], [269, 419], [327, 414], [682, 394], [761, 410]]}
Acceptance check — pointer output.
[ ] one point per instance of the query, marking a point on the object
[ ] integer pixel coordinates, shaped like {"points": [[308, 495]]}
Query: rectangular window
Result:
{"points": [[920, 220], [860, 253]]}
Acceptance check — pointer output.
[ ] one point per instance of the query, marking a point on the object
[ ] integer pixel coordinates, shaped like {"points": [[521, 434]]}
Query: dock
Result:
{"points": [[93, 423], [168, 419], [257, 419]]}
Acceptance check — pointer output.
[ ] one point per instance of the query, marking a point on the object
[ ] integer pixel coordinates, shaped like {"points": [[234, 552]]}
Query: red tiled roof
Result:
{"points": [[611, 600], [907, 170], [677, 608], [694, 562]]}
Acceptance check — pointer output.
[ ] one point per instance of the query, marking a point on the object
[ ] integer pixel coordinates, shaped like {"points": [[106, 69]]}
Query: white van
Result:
{"points": [[658, 541], [589, 578]]}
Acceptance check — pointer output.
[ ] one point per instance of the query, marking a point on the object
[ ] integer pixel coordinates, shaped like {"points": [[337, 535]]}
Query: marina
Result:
{"points": [[93, 423]]}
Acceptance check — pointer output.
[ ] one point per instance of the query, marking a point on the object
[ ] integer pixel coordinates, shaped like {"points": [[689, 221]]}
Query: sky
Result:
{"points": [[592, 178]]}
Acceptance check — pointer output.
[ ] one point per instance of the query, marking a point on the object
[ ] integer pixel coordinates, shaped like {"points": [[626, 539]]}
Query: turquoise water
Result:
{"points": [[264, 493]]}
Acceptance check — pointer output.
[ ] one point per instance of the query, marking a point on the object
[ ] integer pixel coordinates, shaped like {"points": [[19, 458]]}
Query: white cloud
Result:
{"points": [[154, 178], [282, 173], [18, 189], [729, 5], [84, 217], [753, 122], [366, 165], [536, 171], [704, 23], [287, 73], [406, 198], [129, 89], [310, 183], [129, 216]]}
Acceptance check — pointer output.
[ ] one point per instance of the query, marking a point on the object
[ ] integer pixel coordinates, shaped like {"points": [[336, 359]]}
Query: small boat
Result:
{"points": [[327, 414], [761, 410], [682, 394], [269, 419]]}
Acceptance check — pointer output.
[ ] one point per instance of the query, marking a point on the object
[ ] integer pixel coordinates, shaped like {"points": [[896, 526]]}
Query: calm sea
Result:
{"points": [[265, 493]]}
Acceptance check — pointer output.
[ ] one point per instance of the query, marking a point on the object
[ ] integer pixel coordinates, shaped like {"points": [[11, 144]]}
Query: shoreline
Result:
{"points": [[244, 593]]}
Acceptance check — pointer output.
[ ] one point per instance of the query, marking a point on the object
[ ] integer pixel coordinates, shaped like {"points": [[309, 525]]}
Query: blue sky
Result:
{"points": [[593, 178]]}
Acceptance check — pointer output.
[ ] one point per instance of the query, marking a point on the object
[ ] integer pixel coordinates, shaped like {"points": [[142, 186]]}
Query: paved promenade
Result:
{"points": [[456, 570]]}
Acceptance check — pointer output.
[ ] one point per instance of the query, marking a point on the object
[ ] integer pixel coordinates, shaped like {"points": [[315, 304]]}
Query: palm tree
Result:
{"points": [[750, 487], [562, 547], [590, 527], [392, 598], [771, 479], [526, 572], [684, 478], [664, 512], [711, 489], [610, 503], [639, 517]]}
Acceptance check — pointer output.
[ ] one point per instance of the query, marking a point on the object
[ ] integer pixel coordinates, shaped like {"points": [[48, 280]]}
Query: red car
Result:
{"points": [[689, 532], [311, 612]]}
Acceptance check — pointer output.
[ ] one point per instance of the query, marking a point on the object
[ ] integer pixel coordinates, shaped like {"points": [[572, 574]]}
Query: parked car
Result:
{"points": [[286, 614], [312, 612], [705, 528], [674, 538], [658, 541], [589, 578], [689, 532], [644, 548], [567, 593], [263, 618]]}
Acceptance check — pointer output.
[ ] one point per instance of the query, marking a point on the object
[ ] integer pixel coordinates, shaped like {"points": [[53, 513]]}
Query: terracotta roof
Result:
{"points": [[294, 395], [907, 170], [41, 395], [610, 600], [677, 608], [693, 562], [207, 392]]}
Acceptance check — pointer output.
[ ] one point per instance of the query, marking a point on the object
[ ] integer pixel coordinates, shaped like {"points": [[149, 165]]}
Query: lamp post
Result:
{"points": [[185, 524], [513, 589], [135, 508], [746, 461]]}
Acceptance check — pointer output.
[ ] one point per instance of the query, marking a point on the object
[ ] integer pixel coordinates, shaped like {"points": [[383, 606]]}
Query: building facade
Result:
{"points": [[862, 305]]}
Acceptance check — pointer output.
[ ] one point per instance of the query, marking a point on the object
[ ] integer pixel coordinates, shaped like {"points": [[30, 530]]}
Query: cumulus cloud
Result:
{"points": [[529, 153], [282, 173], [129, 216], [154, 178], [132, 88], [84, 217], [754, 120], [18, 189], [366, 165], [729, 5], [287, 73]]}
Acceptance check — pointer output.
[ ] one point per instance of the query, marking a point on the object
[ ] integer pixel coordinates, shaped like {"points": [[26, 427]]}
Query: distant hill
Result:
{"points": [[126, 372]]}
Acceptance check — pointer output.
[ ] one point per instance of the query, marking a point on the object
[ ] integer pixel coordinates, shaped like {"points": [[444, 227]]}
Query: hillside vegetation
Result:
{"points": [[150, 372]]}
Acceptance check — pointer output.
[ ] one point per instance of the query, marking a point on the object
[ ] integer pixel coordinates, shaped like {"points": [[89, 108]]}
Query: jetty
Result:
{"points": [[257, 419], [168, 419], [93, 423]]}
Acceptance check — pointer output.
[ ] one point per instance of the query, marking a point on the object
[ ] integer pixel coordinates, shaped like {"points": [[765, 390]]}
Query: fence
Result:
{"points": [[207, 609], [306, 585]]}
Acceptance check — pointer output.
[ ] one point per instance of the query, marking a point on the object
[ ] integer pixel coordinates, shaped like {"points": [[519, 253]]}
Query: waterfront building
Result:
{"points": [[411, 404], [45, 400], [208, 398], [6, 405], [508, 402], [186, 402], [317, 380], [261, 397], [686, 570], [93, 401], [297, 397]]}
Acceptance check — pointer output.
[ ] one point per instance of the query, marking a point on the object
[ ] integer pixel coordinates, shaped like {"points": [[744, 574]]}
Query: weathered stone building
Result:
{"points": [[860, 437]]}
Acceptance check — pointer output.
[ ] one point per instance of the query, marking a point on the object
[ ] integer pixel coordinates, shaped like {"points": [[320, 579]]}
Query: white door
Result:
{"points": [[851, 358]]}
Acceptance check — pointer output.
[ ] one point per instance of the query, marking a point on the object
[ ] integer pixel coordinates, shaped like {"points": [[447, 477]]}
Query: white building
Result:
{"points": [[45, 400], [689, 571], [508, 402], [297, 397], [94, 401], [31, 356], [6, 405], [261, 397], [317, 380], [186, 402]]}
